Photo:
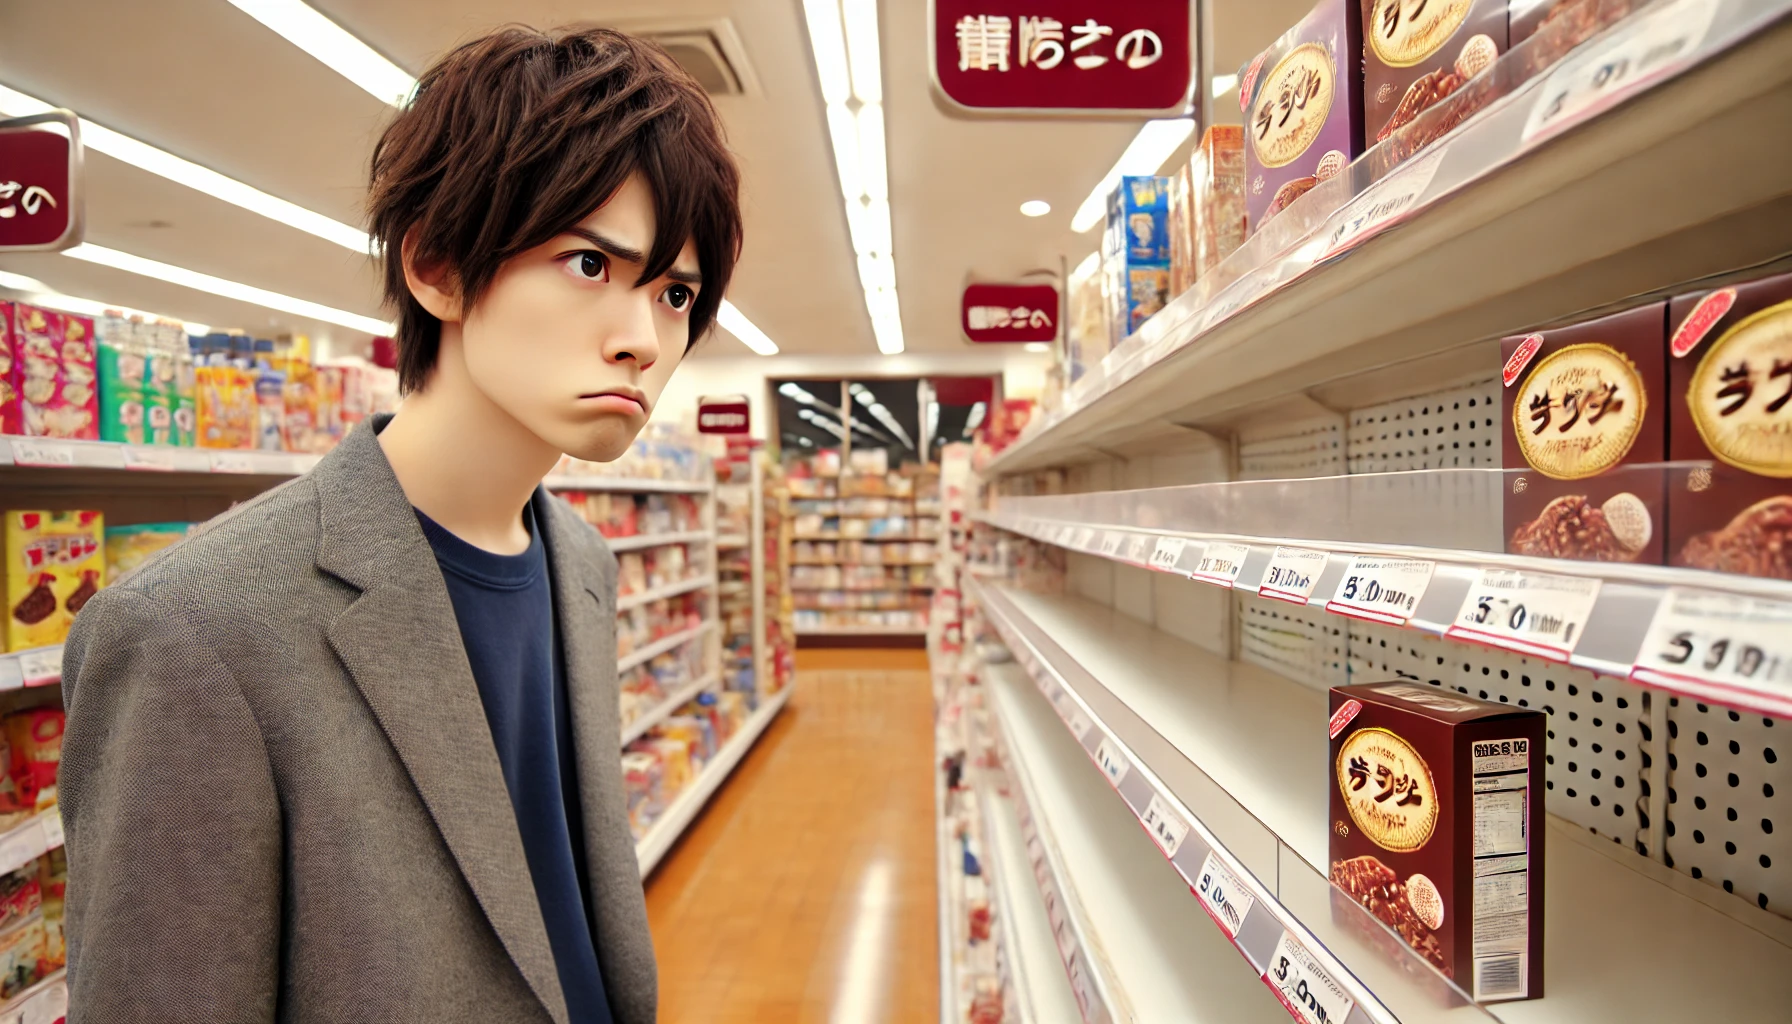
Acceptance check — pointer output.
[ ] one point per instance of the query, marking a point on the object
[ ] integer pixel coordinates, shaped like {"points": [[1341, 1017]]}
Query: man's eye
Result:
{"points": [[679, 297], [589, 266]]}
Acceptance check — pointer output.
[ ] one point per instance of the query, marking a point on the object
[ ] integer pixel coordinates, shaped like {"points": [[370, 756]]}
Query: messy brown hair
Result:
{"points": [[517, 136]]}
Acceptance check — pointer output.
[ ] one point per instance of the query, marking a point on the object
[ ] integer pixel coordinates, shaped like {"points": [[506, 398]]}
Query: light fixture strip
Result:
{"points": [[303, 26], [1144, 155]]}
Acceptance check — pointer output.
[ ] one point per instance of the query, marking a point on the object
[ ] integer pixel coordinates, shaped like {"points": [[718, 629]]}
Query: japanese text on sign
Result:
{"points": [[1221, 564], [984, 44], [1303, 986], [1224, 896], [984, 318], [1532, 613], [1385, 590], [1722, 647], [1292, 573]]}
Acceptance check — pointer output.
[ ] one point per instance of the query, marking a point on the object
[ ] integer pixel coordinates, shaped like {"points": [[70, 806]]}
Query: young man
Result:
{"points": [[351, 754]]}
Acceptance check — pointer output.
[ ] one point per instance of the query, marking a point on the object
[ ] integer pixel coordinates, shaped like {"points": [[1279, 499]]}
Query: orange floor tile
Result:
{"points": [[806, 890]]}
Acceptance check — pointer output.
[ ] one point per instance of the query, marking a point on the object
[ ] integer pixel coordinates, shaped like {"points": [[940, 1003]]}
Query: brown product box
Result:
{"points": [[1303, 104], [1216, 193], [1730, 387], [1582, 406], [1438, 829], [1182, 233], [1415, 55]]}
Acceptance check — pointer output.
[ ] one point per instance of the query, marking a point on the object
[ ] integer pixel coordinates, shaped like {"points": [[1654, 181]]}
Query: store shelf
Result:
{"points": [[858, 630], [728, 541], [36, 666], [944, 854], [1240, 754], [1030, 945], [1448, 519], [45, 1002], [662, 645], [684, 807], [627, 601], [904, 587], [30, 839], [654, 540], [1131, 944], [674, 700], [1660, 177], [109, 465], [624, 485], [872, 565], [834, 537]]}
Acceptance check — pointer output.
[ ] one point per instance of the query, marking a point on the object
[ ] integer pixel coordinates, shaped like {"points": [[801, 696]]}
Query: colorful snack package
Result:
{"points": [[128, 547], [55, 561], [53, 882], [35, 737], [20, 950], [123, 366]]}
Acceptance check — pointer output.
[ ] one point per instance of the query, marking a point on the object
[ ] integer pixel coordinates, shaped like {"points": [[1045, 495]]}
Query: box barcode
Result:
{"points": [[1498, 976]]}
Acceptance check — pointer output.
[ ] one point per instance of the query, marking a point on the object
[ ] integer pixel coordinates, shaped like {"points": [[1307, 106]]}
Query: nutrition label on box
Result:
{"points": [[1502, 866]]}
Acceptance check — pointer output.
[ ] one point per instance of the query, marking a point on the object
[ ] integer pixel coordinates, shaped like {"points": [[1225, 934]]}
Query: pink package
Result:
{"points": [[54, 370]]}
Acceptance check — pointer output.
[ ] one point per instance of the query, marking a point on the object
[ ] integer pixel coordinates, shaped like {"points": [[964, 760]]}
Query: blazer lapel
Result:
{"points": [[401, 643]]}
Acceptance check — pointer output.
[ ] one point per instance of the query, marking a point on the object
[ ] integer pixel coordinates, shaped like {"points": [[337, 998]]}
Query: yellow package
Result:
{"points": [[128, 547], [55, 561]]}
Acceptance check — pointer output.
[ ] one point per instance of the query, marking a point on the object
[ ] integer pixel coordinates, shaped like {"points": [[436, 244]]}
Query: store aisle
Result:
{"points": [[806, 891]]}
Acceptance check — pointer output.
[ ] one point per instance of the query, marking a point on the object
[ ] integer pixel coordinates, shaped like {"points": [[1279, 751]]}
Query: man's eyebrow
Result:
{"points": [[684, 276], [609, 245]]}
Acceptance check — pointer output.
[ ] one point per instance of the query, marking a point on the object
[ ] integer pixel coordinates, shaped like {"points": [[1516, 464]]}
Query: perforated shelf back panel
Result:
{"points": [[1730, 801], [1453, 429], [1596, 761], [1298, 642], [1306, 448]]}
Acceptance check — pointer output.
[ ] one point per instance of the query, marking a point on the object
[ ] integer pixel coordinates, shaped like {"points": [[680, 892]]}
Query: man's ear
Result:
{"points": [[432, 285]]}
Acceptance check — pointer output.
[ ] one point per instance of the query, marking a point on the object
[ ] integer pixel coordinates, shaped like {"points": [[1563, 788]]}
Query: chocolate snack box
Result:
{"points": [[1730, 385], [1583, 404], [55, 562], [1418, 52], [1438, 831], [1302, 99]]}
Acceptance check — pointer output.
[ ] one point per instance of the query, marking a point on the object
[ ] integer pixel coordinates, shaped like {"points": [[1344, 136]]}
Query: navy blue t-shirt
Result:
{"points": [[505, 607]]}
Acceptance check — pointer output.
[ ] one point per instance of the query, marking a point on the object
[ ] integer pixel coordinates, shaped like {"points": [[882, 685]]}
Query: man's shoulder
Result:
{"points": [[260, 545]]}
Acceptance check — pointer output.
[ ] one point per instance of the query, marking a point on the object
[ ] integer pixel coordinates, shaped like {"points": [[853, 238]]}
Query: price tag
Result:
{"points": [[21, 846], [1640, 50], [1292, 573], [1225, 897], [42, 453], [1110, 543], [1164, 824], [1079, 723], [47, 1007], [1384, 590], [1383, 204], [41, 666], [1167, 551], [1112, 761], [52, 821], [1728, 648], [1082, 539], [157, 460], [231, 462], [1528, 612], [1138, 549], [1303, 986], [1221, 564]]}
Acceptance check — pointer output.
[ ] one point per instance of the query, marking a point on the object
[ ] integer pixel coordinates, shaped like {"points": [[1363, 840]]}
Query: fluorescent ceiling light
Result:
{"points": [[735, 323], [1222, 84], [1037, 346], [330, 43], [101, 139], [974, 418], [829, 48], [1144, 155], [861, 45], [228, 289], [40, 294], [1035, 208], [1091, 263]]}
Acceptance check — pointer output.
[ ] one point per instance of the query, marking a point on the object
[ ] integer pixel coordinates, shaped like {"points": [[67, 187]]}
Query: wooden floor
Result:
{"points": [[805, 891]]}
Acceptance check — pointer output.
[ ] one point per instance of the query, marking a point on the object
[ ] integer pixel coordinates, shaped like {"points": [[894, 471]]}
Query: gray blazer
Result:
{"points": [[281, 796]]}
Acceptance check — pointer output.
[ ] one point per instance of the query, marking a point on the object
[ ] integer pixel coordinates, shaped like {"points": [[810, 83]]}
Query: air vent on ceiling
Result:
{"points": [[711, 52]]}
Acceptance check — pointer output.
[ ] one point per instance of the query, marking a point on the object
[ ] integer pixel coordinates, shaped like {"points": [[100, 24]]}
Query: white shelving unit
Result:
{"points": [[669, 590], [625, 485], [675, 699], [654, 540]]}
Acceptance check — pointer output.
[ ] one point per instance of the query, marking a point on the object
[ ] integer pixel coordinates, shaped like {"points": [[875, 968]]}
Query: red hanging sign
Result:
{"points": [[1065, 56], [1009, 312], [723, 414], [40, 182]]}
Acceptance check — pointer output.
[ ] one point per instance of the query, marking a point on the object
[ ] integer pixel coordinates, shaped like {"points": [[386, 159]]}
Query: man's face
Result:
{"points": [[566, 343]]}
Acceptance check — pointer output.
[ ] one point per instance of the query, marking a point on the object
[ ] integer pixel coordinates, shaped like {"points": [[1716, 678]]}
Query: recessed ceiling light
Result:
{"points": [[1035, 208], [1038, 346]]}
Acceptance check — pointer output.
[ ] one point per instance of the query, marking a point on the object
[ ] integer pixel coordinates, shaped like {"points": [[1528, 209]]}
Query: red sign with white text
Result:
{"points": [[40, 171], [729, 414], [1065, 56], [1009, 312]]}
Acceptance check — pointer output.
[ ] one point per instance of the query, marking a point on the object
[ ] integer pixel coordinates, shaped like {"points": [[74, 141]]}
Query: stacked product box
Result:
{"points": [[1087, 337], [55, 562], [1417, 55], [1584, 427], [1438, 830], [1135, 255], [1302, 98], [1216, 196], [1730, 382], [52, 374]]}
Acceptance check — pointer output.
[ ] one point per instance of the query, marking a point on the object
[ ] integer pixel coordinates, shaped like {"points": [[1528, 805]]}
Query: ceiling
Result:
{"points": [[206, 82]]}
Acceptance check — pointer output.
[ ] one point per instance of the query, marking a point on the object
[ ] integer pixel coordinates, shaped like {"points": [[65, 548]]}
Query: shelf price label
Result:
{"points": [[52, 821], [1138, 548], [1221, 563], [1305, 988], [1166, 553], [156, 460], [1226, 899], [1380, 589], [1529, 612], [1113, 763], [1082, 538], [1292, 574], [1726, 648], [48, 1006], [1165, 825], [41, 666], [1385, 203], [231, 462], [1641, 50], [1110, 542], [42, 453]]}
